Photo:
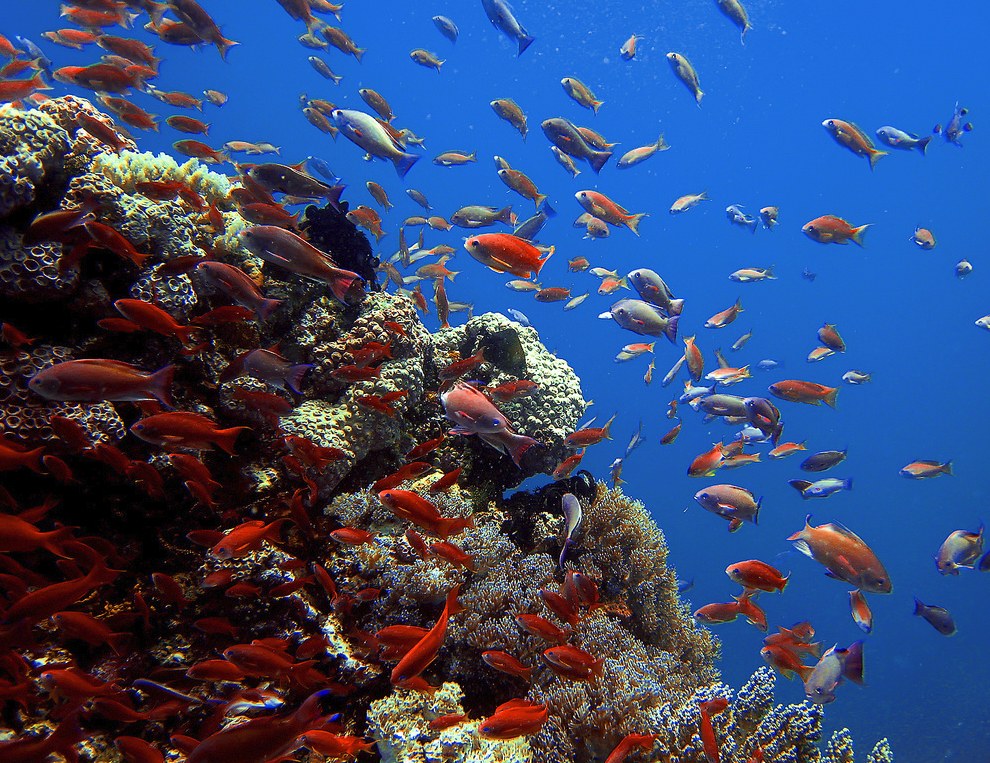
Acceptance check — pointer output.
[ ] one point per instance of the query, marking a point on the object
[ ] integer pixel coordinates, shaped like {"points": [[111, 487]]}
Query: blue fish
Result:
{"points": [[322, 168], [518, 317], [504, 20]]}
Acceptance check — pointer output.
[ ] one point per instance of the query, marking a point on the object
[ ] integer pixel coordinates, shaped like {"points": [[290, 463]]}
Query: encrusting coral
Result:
{"points": [[245, 581]]}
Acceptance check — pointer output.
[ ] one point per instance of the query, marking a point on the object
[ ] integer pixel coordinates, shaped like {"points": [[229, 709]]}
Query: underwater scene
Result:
{"points": [[479, 382]]}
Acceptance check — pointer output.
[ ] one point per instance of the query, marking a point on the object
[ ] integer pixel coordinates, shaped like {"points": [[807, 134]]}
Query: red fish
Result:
{"points": [[447, 721], [16, 89], [447, 481], [785, 661], [263, 739], [796, 391], [334, 746], [199, 150], [708, 742], [628, 744], [453, 554], [44, 602], [152, 318], [573, 663], [509, 391], [542, 628], [506, 663], [425, 651], [89, 630], [405, 472], [100, 379], [352, 373], [561, 606], [238, 286], [220, 316], [860, 609], [184, 429], [14, 456], [246, 537], [515, 718], [590, 435], [706, 464], [136, 750], [464, 366], [399, 639], [352, 536], [505, 253], [421, 512], [757, 576], [62, 741]]}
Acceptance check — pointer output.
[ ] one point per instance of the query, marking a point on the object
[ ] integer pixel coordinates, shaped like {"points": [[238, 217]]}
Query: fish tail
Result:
{"points": [[223, 45], [359, 53], [225, 438], [595, 105], [875, 157], [698, 95], [662, 145], [804, 671], [404, 162], [544, 261], [633, 222], [848, 484], [524, 42], [671, 329], [159, 385], [922, 145], [547, 209], [539, 200], [333, 195], [266, 307], [919, 607], [831, 397], [505, 215], [293, 379], [453, 605], [597, 159], [946, 468], [859, 233]]}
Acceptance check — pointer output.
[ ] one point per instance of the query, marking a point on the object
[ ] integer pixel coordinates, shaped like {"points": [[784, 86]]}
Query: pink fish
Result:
{"points": [[96, 379]]}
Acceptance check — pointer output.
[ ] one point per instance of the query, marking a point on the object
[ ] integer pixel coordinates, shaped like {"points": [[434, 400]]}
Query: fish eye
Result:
{"points": [[811, 227]]}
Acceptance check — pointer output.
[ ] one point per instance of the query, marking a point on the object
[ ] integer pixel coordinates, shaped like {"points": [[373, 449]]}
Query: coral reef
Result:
{"points": [[199, 587]]}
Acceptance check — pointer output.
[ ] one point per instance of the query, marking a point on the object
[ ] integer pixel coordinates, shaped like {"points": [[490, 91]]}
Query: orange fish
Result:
{"points": [[726, 612], [707, 463], [602, 207], [589, 435], [505, 253], [844, 554], [724, 318], [829, 229], [152, 318], [926, 469], [786, 449], [421, 512], [860, 609], [199, 150], [785, 661], [453, 554], [561, 606], [757, 576], [425, 651], [796, 391], [695, 360], [848, 135], [335, 746]]}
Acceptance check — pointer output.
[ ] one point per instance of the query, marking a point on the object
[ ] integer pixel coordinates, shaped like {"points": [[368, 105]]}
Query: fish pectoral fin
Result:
{"points": [[802, 546]]}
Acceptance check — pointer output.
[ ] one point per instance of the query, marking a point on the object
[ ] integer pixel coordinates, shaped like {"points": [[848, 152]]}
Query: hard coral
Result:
{"points": [[32, 147]]}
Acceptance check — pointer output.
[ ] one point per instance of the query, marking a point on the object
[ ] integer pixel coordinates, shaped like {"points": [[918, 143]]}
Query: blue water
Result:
{"points": [[756, 141]]}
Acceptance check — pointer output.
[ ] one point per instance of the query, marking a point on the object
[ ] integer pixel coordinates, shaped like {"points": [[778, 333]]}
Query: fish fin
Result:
{"points": [[875, 157], [922, 145], [159, 385], [633, 222], [295, 376], [859, 233], [404, 162], [799, 485], [831, 397], [524, 42], [671, 330], [946, 468], [597, 159], [734, 524], [802, 545], [225, 438], [852, 664]]}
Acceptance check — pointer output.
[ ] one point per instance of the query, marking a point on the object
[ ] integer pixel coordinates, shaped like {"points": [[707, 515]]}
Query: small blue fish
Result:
{"points": [[636, 441], [685, 586], [504, 20], [821, 488], [937, 617], [807, 275], [738, 217], [903, 140], [767, 365], [834, 665], [446, 27], [518, 317], [322, 168], [35, 53]]}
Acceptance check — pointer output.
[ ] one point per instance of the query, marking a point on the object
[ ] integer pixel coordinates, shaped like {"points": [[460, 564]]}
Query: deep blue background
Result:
{"points": [[756, 141]]}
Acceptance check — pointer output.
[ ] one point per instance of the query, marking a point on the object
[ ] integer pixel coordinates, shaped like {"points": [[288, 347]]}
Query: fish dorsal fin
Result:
{"points": [[843, 530]]}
